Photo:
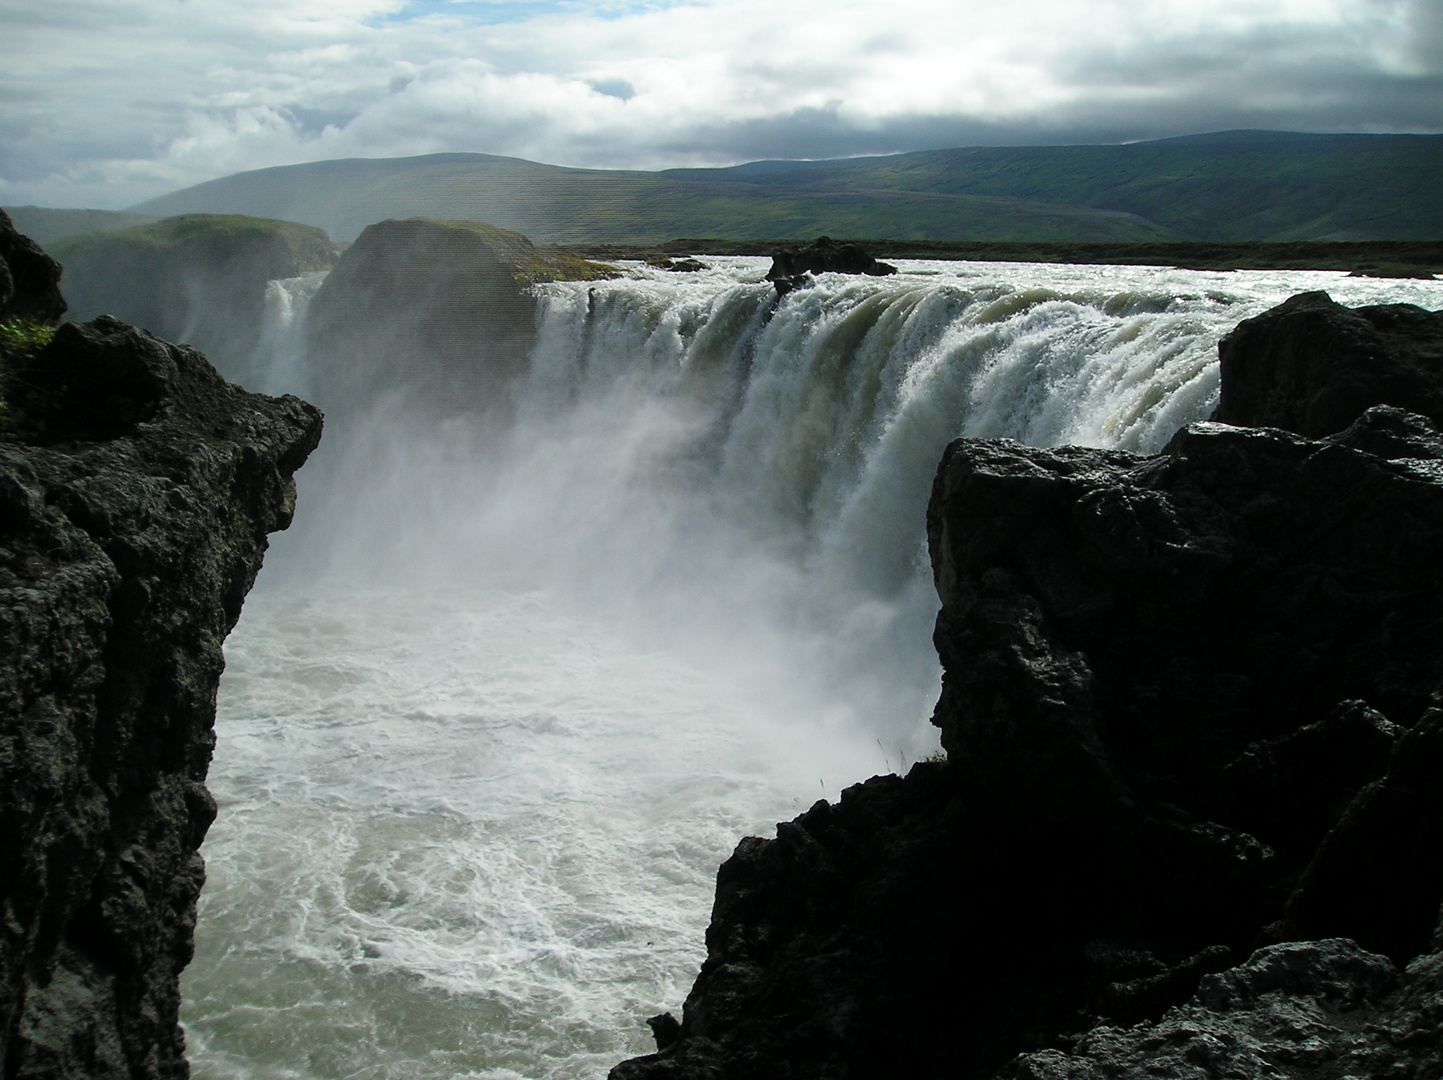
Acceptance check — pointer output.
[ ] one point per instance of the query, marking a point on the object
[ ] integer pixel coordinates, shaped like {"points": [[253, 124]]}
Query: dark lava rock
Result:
{"points": [[435, 306], [1187, 701], [677, 266], [1312, 366], [831, 946], [135, 499], [1378, 874], [665, 1029], [1288, 788], [1153, 656], [790, 266], [92, 381], [29, 278], [1297, 1010]]}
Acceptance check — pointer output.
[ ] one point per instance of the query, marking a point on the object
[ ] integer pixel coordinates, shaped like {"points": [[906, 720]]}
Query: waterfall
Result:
{"points": [[819, 418], [519, 678], [278, 363]]}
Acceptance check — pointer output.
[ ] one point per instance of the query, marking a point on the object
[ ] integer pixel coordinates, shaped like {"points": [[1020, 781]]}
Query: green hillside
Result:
{"points": [[1238, 186], [557, 205], [44, 224], [1227, 187], [1231, 186]]}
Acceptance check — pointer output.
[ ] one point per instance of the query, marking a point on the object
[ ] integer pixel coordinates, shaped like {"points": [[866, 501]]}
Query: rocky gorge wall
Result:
{"points": [[441, 309], [136, 491], [1191, 820], [198, 278]]}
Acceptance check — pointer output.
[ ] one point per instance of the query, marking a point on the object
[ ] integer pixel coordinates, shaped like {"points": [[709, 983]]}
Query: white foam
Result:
{"points": [[504, 699]]}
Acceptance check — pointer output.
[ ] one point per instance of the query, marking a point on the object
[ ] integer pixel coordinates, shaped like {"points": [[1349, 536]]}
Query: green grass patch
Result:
{"points": [[20, 341]]}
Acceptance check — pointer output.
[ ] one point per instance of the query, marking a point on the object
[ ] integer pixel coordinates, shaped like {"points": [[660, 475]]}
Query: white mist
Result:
{"points": [[520, 677]]}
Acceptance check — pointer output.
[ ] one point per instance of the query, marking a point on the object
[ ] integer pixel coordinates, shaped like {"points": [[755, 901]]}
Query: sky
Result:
{"points": [[104, 103]]}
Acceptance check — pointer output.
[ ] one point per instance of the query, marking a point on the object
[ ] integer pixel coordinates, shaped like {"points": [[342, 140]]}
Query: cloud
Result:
{"points": [[106, 102]]}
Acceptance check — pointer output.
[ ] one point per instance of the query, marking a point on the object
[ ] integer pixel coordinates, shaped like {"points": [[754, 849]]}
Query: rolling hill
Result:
{"points": [[558, 205], [1230, 186]]}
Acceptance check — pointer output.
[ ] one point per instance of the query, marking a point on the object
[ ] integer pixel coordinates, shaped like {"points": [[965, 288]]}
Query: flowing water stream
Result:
{"points": [[511, 689]]}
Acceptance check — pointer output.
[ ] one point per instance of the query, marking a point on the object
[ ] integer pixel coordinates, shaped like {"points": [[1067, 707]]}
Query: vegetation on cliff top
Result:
{"points": [[20, 340], [214, 236], [529, 265], [197, 278]]}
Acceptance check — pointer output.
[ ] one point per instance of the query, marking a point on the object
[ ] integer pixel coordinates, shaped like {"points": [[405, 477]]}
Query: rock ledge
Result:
{"points": [[136, 492]]}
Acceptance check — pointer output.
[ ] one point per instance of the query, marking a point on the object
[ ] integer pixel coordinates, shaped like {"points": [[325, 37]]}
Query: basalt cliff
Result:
{"points": [[1190, 823], [136, 491]]}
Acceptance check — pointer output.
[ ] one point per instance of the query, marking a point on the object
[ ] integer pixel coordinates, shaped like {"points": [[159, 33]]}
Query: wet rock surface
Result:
{"points": [[1190, 707], [791, 266], [1301, 1009], [677, 266], [1312, 366], [135, 499]]}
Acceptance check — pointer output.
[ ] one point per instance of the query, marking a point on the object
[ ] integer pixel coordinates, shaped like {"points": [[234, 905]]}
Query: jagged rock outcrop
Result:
{"points": [[198, 278], [1296, 1010], [1190, 708], [29, 278], [1312, 366], [136, 491], [444, 306], [790, 266], [1196, 662]]}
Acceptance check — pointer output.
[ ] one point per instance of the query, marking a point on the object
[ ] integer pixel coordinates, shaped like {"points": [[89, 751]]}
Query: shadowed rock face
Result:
{"points": [[1312, 366], [1301, 1009], [29, 278], [444, 307], [1195, 661], [1189, 705], [136, 492]]}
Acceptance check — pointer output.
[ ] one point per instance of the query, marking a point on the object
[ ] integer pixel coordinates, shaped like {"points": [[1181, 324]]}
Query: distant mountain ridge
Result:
{"points": [[552, 204], [1225, 186]]}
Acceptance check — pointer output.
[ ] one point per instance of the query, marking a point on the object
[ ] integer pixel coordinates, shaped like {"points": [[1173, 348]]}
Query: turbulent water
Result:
{"points": [[516, 683]]}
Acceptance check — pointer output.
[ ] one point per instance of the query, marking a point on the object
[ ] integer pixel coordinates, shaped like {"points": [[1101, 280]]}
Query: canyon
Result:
{"points": [[1189, 797]]}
